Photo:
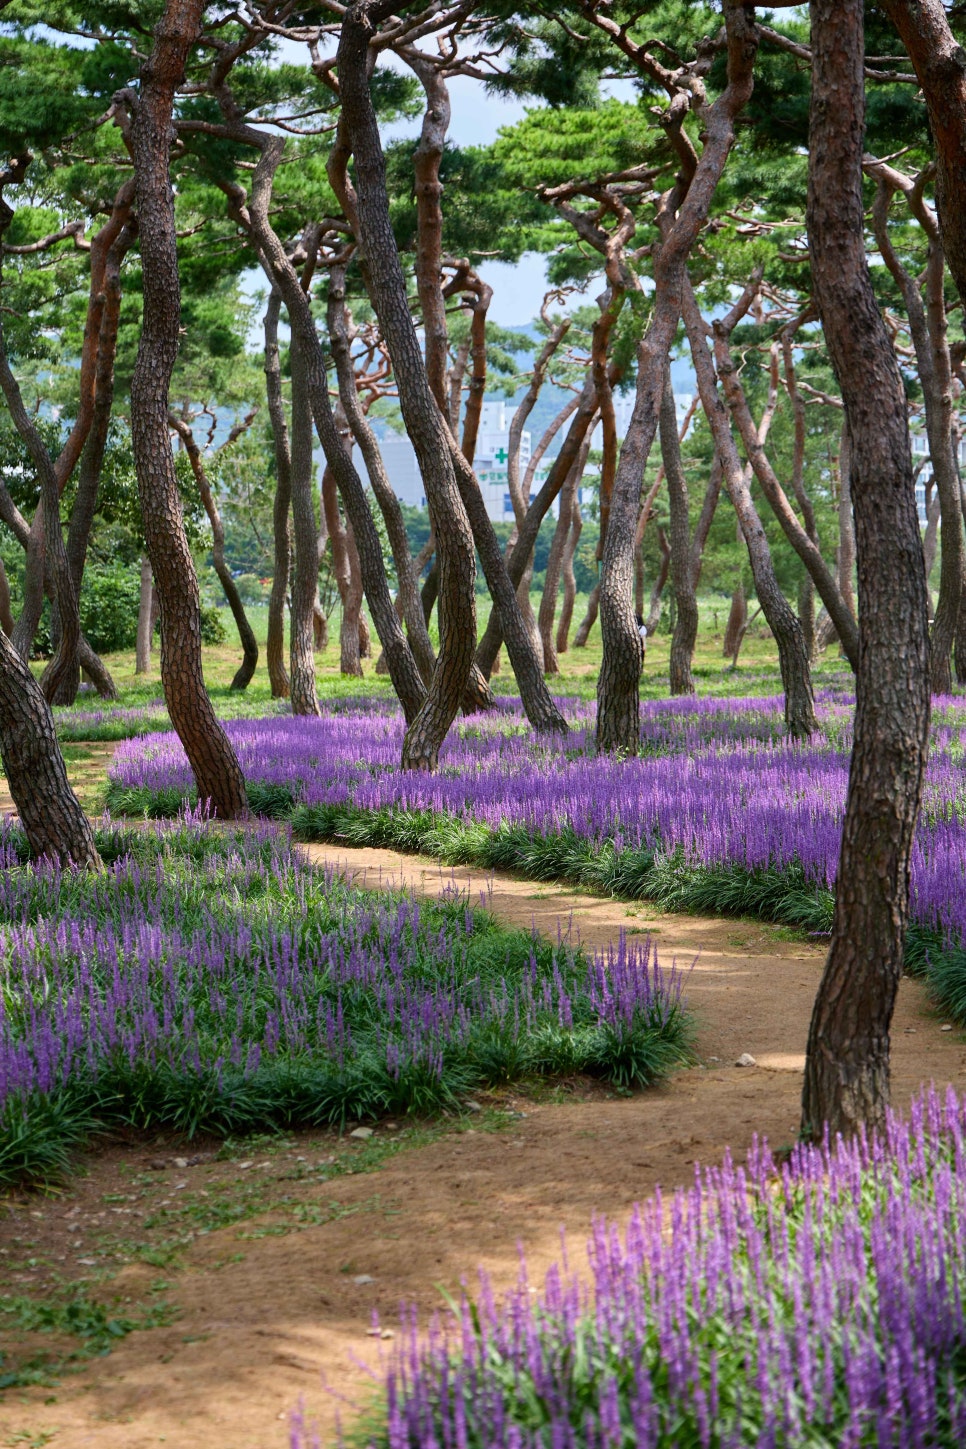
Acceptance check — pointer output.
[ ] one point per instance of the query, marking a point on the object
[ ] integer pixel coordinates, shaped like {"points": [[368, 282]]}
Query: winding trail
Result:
{"points": [[264, 1319]]}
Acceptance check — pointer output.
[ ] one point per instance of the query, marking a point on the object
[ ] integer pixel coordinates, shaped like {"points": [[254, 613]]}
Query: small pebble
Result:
{"points": [[243, 1165], [363, 1133], [361, 1279], [472, 1106], [180, 1161], [746, 1060], [945, 1028]]}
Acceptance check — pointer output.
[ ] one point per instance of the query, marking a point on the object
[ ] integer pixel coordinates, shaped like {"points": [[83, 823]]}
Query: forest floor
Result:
{"points": [[245, 1276]]}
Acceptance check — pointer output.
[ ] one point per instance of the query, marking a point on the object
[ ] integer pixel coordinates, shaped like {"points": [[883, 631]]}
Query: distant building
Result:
{"points": [[492, 453], [490, 463], [920, 451]]}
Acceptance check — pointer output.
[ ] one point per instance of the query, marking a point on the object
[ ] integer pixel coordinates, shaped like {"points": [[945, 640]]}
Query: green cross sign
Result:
{"points": [[500, 455]]}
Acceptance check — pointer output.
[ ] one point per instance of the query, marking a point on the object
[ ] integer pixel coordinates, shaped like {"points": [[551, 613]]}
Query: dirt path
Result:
{"points": [[263, 1320]]}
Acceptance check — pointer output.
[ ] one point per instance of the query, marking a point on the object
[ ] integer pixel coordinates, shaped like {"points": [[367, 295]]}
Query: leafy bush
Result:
{"points": [[109, 602], [213, 630]]}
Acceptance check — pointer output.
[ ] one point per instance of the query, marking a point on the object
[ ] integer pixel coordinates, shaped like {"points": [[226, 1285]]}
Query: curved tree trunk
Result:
{"points": [[928, 327], [541, 633], [281, 507], [847, 1064], [424, 421], [589, 619], [792, 655], [108, 250], [555, 562], [737, 622], [685, 632], [800, 538], [246, 634], [581, 422], [653, 617], [305, 575], [350, 599], [569, 577], [51, 816], [6, 613], [409, 608], [142, 649], [253, 218], [618, 706], [212, 759]]}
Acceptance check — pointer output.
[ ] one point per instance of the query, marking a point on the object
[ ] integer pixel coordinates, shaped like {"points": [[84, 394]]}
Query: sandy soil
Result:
{"points": [[265, 1320]]}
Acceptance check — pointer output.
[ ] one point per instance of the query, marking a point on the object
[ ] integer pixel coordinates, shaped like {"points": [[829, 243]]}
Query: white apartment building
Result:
{"points": [[490, 463], [920, 450], [491, 456]]}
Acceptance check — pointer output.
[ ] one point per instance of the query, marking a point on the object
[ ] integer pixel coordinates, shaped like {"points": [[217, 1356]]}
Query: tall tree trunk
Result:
{"points": [[47, 565], [847, 1064], [737, 622], [281, 507], [252, 215], [349, 662], [6, 613], [937, 59], [246, 634], [589, 619], [555, 561], [212, 759], [541, 634], [305, 574], [792, 655], [108, 250], [928, 327], [580, 424], [618, 705], [569, 577], [685, 633], [422, 416], [653, 617], [800, 538], [142, 649], [410, 608], [53, 821]]}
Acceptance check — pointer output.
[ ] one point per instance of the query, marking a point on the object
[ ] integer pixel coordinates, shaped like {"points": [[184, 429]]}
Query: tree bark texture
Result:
{"points": [[799, 538], [421, 413], [410, 608], [569, 577], [349, 662], [53, 821], [254, 218], [281, 506], [737, 622], [305, 574], [847, 1064], [685, 632], [516, 565], [212, 759], [246, 634], [940, 65], [792, 654], [142, 648], [6, 612], [618, 705], [555, 561], [928, 327]]}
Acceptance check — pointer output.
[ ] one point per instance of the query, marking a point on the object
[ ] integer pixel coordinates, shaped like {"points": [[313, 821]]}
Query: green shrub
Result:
{"points": [[212, 629], [109, 601]]}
